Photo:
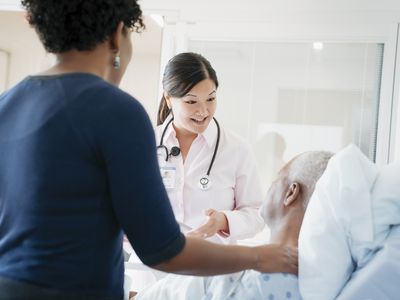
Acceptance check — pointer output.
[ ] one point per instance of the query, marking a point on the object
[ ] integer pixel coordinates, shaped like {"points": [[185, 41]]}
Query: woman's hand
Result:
{"points": [[275, 258], [217, 223]]}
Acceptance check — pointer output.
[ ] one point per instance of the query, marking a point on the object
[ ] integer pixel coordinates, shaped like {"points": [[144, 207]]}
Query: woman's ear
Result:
{"points": [[115, 38], [292, 194]]}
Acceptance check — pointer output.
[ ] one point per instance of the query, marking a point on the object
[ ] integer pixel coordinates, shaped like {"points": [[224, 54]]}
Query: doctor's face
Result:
{"points": [[194, 111]]}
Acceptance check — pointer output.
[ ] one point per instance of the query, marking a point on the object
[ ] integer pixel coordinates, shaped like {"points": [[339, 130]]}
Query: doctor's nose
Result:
{"points": [[202, 111], [201, 114]]}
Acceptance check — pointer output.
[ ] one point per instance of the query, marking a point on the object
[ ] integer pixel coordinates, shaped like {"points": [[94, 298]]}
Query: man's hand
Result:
{"points": [[216, 223]]}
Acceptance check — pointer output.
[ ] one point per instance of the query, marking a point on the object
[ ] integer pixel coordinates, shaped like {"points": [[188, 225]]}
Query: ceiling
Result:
{"points": [[272, 10], [255, 10], [217, 11]]}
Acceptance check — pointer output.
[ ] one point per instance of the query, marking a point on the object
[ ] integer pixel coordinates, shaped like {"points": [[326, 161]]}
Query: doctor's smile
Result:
{"points": [[200, 121]]}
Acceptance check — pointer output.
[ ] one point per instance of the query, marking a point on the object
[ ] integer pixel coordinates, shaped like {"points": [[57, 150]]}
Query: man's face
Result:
{"points": [[271, 209]]}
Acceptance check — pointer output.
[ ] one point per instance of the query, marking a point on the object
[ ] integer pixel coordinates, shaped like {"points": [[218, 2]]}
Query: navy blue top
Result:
{"points": [[77, 166]]}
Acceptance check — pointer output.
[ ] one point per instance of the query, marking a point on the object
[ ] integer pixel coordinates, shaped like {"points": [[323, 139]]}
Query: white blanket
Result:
{"points": [[380, 278], [346, 222]]}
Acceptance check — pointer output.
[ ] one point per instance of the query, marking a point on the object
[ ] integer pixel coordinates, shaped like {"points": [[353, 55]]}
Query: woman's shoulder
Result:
{"points": [[96, 99], [111, 92], [104, 95]]}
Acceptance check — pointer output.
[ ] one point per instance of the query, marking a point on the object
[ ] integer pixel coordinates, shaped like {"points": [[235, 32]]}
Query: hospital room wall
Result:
{"points": [[301, 78], [368, 23], [192, 25], [21, 54], [25, 54]]}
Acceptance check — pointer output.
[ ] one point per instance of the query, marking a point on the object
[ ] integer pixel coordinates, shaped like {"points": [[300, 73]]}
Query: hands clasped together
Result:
{"points": [[216, 223]]}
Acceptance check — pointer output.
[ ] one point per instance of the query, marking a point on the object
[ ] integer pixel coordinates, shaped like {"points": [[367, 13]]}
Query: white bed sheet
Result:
{"points": [[380, 278]]}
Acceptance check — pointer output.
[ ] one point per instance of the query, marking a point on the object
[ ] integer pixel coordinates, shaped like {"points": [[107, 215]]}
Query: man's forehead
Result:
{"points": [[280, 179], [284, 171]]}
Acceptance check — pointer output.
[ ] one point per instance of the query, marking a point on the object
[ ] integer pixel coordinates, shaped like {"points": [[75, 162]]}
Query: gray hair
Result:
{"points": [[306, 168]]}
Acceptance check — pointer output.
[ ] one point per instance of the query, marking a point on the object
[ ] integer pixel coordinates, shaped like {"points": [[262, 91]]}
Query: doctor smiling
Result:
{"points": [[209, 173]]}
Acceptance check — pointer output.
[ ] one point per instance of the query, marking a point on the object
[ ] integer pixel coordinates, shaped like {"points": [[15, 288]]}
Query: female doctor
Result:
{"points": [[209, 173]]}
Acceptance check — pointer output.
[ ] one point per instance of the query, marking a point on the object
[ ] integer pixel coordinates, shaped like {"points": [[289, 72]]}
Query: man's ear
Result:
{"points": [[292, 194], [115, 38]]}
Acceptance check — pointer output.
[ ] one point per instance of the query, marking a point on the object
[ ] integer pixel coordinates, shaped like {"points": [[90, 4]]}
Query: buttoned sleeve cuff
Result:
{"points": [[242, 223]]}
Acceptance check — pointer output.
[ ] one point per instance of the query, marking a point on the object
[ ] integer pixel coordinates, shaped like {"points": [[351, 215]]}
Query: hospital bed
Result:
{"points": [[340, 231], [378, 280], [138, 275]]}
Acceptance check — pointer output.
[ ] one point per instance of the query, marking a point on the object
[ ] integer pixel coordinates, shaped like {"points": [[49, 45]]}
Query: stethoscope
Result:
{"points": [[205, 181]]}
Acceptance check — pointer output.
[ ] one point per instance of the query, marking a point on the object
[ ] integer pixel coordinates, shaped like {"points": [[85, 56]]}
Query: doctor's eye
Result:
{"points": [[190, 102], [211, 99]]}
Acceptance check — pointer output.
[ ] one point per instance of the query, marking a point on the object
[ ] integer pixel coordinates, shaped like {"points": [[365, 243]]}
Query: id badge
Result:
{"points": [[168, 174]]}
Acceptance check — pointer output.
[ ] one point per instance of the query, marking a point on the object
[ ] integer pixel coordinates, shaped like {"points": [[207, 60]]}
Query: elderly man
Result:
{"points": [[348, 242], [283, 212]]}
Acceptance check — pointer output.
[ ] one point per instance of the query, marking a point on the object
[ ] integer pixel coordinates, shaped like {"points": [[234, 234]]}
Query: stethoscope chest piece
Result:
{"points": [[205, 183]]}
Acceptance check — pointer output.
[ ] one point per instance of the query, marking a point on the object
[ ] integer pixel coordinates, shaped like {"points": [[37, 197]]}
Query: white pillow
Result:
{"points": [[339, 213], [386, 200]]}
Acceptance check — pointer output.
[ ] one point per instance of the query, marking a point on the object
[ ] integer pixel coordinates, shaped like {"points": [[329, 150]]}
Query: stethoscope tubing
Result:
{"points": [[162, 140], [216, 147], [161, 145]]}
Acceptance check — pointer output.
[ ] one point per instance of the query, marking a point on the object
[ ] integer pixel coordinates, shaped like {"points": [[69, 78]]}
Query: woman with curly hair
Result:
{"points": [[78, 167]]}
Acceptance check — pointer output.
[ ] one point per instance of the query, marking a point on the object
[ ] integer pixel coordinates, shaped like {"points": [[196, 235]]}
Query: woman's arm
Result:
{"points": [[200, 257]]}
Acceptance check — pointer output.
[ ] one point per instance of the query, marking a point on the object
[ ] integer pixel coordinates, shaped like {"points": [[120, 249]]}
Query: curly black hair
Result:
{"points": [[63, 25]]}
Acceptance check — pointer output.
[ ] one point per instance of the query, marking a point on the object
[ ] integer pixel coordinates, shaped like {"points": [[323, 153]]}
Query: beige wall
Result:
{"points": [[27, 57], [25, 51]]}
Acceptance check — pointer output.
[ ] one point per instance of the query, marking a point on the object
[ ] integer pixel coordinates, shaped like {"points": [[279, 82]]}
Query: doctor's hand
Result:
{"points": [[275, 258], [216, 223]]}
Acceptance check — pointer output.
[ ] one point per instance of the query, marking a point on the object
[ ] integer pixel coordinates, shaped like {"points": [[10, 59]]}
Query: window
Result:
{"points": [[292, 97]]}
